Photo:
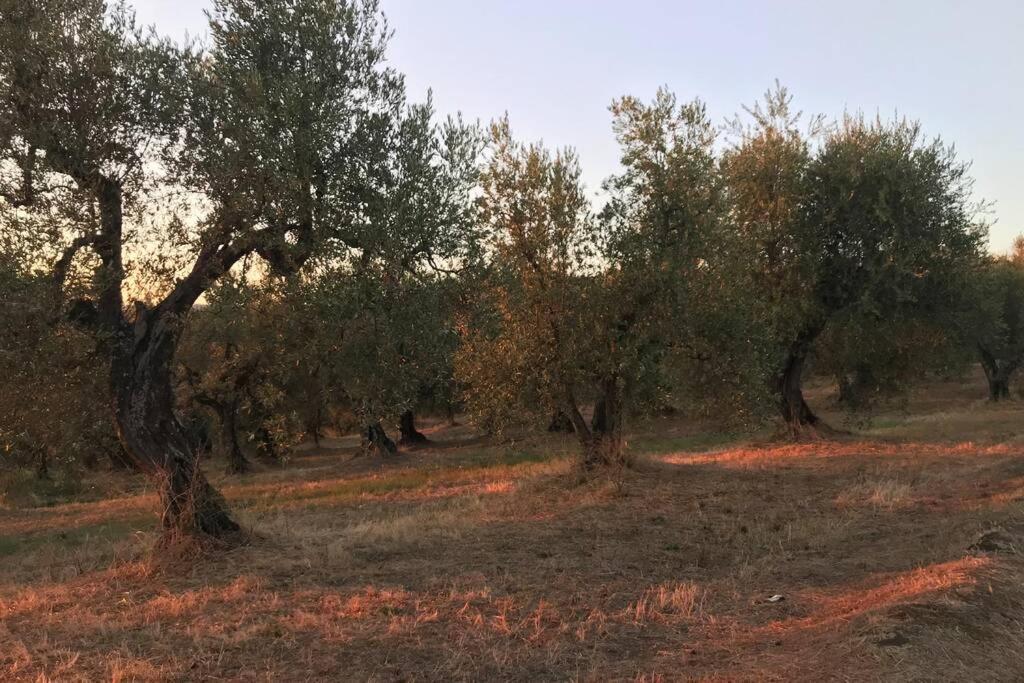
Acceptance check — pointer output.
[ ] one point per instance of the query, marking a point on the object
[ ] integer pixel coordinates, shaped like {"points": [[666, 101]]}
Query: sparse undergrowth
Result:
{"points": [[464, 560]]}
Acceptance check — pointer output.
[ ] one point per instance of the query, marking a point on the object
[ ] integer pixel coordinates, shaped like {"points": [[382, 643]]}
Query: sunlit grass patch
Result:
{"points": [[881, 493], [668, 602], [487, 477], [475, 561]]}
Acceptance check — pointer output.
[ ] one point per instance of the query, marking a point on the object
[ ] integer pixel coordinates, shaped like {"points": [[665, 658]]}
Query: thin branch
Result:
{"points": [[63, 264]]}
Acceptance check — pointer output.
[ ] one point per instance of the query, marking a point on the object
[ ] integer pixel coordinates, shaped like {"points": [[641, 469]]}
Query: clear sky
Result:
{"points": [[555, 65]]}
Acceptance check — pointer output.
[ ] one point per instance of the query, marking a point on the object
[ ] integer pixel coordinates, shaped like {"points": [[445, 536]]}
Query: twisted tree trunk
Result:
{"points": [[410, 436], [800, 420], [150, 430], [376, 440], [601, 442], [998, 373], [315, 424], [606, 446], [797, 414], [142, 349]]}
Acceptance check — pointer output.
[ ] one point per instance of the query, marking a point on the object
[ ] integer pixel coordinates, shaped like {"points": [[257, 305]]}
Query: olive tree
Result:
{"points": [[265, 129], [873, 219], [232, 356], [997, 328], [577, 309], [676, 273], [384, 306], [524, 341]]}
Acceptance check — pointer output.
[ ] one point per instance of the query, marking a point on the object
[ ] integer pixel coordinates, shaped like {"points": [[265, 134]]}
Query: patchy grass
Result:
{"points": [[472, 561]]}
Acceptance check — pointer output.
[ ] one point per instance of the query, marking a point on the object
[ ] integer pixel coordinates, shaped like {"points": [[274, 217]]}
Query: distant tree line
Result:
{"points": [[242, 246]]}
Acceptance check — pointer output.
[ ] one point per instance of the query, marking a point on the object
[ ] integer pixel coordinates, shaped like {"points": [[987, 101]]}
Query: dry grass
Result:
{"points": [[467, 561]]}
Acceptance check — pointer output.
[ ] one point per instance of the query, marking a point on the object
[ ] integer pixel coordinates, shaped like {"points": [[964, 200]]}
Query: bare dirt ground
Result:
{"points": [[895, 551]]}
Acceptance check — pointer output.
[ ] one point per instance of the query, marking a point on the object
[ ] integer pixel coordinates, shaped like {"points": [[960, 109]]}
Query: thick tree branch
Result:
{"points": [[28, 195]]}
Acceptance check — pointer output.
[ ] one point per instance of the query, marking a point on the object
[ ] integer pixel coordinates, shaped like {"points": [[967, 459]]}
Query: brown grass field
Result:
{"points": [[896, 551]]}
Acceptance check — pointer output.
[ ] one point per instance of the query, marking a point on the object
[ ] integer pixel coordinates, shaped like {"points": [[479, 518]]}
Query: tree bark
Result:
{"points": [[998, 373], [142, 351], [120, 460], [606, 447], [376, 440], [314, 426], [799, 418], [198, 427], [601, 441], [846, 391], [237, 462], [43, 465], [153, 436], [999, 388], [410, 436]]}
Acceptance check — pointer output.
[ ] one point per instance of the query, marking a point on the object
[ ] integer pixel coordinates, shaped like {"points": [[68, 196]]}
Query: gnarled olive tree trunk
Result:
{"points": [[410, 436], [142, 347], [600, 441], [794, 409], [800, 420], [142, 354], [157, 442], [376, 440], [998, 373]]}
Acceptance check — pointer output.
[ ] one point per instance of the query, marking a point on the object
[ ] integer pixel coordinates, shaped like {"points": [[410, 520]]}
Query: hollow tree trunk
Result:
{"points": [[407, 427], [798, 416], [376, 440], [151, 433]]}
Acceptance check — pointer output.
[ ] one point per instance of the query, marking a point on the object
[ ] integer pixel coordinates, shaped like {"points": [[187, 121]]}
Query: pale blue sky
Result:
{"points": [[555, 65]]}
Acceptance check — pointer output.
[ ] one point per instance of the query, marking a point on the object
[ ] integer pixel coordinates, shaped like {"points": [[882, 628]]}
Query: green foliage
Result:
{"points": [[50, 422], [239, 354], [998, 299], [677, 281], [866, 237], [525, 350], [130, 166], [379, 310], [629, 309], [993, 325]]}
